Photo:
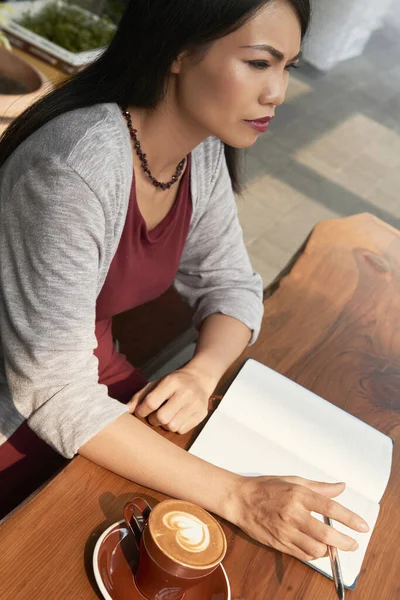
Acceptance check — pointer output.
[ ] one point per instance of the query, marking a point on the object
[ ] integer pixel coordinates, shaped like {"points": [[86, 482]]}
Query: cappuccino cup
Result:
{"points": [[179, 545]]}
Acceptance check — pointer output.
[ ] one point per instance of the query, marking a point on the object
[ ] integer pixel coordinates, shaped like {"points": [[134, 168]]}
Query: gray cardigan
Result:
{"points": [[63, 197]]}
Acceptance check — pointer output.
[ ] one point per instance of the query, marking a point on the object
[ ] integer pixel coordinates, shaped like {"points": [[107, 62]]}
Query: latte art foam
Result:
{"points": [[191, 534], [187, 534]]}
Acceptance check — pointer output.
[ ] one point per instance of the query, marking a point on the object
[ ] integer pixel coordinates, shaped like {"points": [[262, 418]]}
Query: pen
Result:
{"points": [[335, 566]]}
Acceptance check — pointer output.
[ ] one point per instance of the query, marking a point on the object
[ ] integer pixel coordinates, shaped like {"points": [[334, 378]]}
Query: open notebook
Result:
{"points": [[268, 425]]}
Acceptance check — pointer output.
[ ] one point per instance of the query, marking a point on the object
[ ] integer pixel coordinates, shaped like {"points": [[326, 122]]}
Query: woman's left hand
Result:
{"points": [[177, 402]]}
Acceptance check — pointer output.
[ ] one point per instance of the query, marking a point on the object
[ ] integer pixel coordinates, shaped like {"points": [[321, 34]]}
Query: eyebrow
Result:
{"points": [[276, 53]]}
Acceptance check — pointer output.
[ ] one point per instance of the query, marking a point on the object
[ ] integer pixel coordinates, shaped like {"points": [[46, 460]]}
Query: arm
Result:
{"points": [[216, 278], [215, 274], [222, 340], [51, 243], [52, 239], [180, 400], [274, 511], [133, 450]]}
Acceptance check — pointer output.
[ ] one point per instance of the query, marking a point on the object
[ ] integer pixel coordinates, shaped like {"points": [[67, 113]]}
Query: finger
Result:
{"points": [[175, 424], [154, 399], [191, 423], [292, 550], [309, 545], [298, 553], [168, 411], [331, 490], [295, 543], [329, 508], [328, 535], [140, 396]]}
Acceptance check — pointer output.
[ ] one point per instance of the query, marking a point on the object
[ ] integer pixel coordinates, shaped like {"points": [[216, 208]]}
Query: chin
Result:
{"points": [[240, 139], [241, 144]]}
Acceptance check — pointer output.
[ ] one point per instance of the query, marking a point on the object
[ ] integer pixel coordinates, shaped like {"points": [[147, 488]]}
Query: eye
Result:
{"points": [[258, 64], [292, 66]]}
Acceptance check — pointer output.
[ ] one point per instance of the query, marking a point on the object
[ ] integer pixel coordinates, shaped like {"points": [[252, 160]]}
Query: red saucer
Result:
{"points": [[115, 558]]}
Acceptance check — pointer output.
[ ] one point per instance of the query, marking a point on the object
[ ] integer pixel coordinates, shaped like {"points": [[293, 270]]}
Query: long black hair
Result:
{"points": [[134, 68]]}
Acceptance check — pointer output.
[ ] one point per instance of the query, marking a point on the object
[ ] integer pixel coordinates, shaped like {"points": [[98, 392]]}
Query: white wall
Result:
{"points": [[341, 28], [393, 15]]}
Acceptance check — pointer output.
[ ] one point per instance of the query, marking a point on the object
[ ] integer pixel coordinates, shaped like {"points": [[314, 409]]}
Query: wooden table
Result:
{"points": [[53, 75], [333, 325]]}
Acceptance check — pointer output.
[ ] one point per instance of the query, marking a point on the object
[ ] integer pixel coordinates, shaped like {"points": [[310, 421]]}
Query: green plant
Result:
{"points": [[70, 27]]}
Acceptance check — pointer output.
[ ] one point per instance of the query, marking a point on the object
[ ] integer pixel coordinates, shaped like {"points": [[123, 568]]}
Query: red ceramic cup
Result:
{"points": [[159, 576]]}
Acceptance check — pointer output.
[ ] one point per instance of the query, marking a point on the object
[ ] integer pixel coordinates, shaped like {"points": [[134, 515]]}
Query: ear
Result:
{"points": [[177, 64]]}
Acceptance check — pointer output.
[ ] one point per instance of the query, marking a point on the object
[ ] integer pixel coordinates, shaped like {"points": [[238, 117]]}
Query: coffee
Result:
{"points": [[187, 534], [180, 546]]}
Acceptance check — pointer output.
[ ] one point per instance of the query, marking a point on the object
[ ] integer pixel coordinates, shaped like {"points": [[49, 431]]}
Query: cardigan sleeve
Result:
{"points": [[51, 243], [215, 274]]}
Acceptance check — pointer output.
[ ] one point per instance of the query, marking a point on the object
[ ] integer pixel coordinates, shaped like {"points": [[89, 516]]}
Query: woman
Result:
{"points": [[112, 187]]}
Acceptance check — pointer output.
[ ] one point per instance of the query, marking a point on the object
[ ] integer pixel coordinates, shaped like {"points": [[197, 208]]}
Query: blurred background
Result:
{"points": [[334, 147]]}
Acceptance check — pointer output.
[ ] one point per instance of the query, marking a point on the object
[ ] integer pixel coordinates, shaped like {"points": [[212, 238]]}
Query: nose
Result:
{"points": [[274, 91]]}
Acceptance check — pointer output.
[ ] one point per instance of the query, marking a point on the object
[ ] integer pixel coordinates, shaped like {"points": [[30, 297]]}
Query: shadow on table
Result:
{"points": [[112, 507]]}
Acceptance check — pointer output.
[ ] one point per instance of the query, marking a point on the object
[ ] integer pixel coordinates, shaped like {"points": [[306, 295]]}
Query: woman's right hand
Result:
{"points": [[276, 512]]}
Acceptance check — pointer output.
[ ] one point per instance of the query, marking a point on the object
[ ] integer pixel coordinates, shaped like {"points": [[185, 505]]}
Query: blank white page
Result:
{"points": [[316, 431], [228, 444]]}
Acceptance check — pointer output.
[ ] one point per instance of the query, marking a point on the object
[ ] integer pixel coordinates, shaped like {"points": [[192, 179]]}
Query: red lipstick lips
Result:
{"points": [[260, 125]]}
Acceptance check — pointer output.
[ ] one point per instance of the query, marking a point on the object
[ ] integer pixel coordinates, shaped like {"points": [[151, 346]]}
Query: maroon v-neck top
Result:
{"points": [[143, 268]]}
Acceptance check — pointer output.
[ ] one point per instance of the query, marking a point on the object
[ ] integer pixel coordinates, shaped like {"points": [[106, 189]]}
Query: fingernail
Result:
{"points": [[363, 526], [355, 546]]}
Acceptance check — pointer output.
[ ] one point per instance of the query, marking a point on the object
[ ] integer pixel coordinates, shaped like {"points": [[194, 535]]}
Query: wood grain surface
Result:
{"points": [[52, 74], [332, 325]]}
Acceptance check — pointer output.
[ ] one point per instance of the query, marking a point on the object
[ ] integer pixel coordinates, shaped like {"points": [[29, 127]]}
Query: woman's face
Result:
{"points": [[236, 83]]}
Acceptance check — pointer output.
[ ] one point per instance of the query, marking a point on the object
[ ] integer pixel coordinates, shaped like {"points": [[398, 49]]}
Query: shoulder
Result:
{"points": [[208, 167], [208, 157], [96, 142], [210, 177], [91, 141]]}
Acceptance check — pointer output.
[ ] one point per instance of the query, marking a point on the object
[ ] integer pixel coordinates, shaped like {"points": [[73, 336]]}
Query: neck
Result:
{"points": [[165, 135]]}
